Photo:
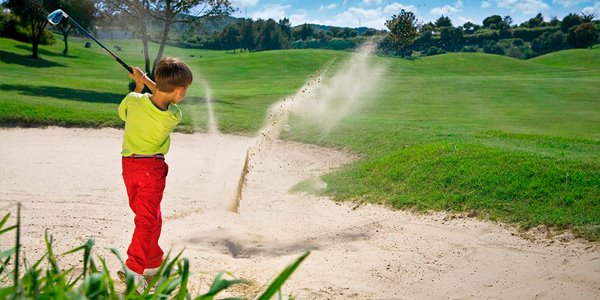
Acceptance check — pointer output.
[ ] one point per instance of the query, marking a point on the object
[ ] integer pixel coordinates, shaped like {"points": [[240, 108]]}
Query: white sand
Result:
{"points": [[69, 180]]}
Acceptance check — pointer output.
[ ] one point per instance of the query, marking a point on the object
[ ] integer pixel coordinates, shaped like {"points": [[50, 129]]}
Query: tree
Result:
{"points": [[548, 42], [443, 22], [508, 20], [230, 36], [492, 20], [451, 39], [469, 27], [247, 35], [33, 13], [286, 28], [306, 31], [84, 11], [139, 14], [270, 36], [569, 21], [403, 31], [535, 21], [167, 11], [583, 35]]}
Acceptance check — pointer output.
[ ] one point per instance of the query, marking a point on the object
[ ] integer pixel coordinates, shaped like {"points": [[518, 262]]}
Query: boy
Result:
{"points": [[149, 121]]}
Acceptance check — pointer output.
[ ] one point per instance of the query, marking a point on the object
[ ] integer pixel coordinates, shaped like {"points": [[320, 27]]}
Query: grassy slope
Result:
{"points": [[514, 140]]}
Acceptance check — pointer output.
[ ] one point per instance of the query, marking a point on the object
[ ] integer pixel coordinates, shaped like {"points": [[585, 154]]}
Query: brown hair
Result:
{"points": [[172, 73]]}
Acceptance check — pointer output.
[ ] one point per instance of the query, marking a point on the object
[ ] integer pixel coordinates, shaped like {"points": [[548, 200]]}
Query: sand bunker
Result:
{"points": [[69, 180]]}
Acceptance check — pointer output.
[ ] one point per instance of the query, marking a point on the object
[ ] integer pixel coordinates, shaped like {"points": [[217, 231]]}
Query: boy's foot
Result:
{"points": [[139, 281]]}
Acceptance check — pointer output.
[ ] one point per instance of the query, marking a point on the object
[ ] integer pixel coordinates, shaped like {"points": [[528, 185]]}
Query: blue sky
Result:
{"points": [[373, 13]]}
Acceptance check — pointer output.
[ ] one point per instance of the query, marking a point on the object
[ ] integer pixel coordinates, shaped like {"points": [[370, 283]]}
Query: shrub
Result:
{"points": [[470, 48], [434, 51], [518, 42], [549, 42], [492, 47], [528, 34]]}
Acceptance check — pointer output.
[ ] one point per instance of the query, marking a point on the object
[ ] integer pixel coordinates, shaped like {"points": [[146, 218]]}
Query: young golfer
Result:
{"points": [[149, 121]]}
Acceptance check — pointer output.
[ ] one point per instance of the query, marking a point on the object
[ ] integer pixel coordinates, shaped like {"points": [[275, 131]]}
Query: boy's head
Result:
{"points": [[173, 76]]}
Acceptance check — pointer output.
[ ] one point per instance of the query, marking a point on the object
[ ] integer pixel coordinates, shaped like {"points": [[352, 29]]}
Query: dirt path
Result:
{"points": [[69, 180]]}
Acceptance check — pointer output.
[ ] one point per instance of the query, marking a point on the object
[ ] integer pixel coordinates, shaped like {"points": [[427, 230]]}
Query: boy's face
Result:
{"points": [[179, 94]]}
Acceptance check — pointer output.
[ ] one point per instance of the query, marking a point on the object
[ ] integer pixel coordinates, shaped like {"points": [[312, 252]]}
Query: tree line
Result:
{"points": [[185, 23], [496, 35]]}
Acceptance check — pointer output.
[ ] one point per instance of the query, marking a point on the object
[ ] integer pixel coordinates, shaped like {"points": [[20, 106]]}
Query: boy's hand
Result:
{"points": [[139, 77]]}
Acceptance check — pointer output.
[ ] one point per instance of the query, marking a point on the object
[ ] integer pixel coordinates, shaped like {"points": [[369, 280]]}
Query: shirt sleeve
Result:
{"points": [[123, 107]]}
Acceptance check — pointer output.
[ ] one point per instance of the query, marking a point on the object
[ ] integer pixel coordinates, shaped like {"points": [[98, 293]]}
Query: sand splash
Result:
{"points": [[212, 121], [322, 102]]}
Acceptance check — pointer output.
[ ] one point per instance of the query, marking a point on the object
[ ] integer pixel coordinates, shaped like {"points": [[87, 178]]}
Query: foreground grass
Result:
{"points": [[515, 141]]}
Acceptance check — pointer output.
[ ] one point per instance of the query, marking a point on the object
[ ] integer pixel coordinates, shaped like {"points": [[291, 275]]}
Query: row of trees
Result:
{"points": [[32, 14], [496, 35], [259, 35]]}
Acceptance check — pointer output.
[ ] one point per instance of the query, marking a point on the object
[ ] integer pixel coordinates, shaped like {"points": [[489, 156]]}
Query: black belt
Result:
{"points": [[157, 156]]}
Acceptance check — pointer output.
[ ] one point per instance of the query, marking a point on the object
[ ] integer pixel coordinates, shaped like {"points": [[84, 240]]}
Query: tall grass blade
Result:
{"points": [[4, 220], [185, 273], [219, 285], [280, 280]]}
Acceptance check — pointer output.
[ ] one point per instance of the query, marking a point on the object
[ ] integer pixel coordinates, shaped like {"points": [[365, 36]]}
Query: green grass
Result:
{"points": [[517, 141]]}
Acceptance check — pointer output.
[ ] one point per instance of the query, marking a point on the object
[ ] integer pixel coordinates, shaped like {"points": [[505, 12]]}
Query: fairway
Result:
{"points": [[454, 132]]}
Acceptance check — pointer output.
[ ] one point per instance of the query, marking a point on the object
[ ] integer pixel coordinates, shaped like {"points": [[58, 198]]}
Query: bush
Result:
{"points": [[481, 36], [470, 48], [434, 51], [518, 42], [492, 47], [549, 42], [24, 35], [528, 34], [8, 25]]}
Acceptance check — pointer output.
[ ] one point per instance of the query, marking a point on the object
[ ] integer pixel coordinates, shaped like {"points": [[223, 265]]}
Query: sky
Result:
{"points": [[374, 13]]}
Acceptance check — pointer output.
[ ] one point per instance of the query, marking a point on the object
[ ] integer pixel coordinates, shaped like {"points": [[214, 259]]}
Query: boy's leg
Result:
{"points": [[145, 182]]}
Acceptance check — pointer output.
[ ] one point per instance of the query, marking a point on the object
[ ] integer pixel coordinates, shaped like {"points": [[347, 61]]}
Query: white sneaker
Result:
{"points": [[139, 281]]}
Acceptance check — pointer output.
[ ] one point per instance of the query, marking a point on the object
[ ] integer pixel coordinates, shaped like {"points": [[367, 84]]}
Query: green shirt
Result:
{"points": [[147, 128]]}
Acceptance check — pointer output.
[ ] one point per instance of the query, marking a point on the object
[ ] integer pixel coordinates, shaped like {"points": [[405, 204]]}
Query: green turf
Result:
{"points": [[514, 140]]}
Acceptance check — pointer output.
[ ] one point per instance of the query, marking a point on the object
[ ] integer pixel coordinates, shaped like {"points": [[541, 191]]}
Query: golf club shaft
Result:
{"points": [[126, 66]]}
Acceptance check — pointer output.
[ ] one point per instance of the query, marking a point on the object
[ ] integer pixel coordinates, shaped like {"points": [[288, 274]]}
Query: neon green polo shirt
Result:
{"points": [[147, 128]]}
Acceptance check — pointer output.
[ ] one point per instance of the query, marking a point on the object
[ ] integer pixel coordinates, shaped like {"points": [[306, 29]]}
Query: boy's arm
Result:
{"points": [[142, 79]]}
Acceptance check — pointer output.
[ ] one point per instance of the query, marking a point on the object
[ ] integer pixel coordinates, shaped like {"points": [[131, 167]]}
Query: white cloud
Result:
{"points": [[395, 8], [485, 4], [569, 3], [462, 20], [369, 2], [327, 7], [275, 12], [525, 7], [374, 18], [243, 3], [592, 9], [447, 9]]}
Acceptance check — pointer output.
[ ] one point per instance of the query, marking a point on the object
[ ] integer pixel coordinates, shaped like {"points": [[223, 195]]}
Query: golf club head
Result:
{"points": [[56, 16]]}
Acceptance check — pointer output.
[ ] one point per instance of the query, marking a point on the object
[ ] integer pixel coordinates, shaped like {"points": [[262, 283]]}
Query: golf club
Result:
{"points": [[56, 16]]}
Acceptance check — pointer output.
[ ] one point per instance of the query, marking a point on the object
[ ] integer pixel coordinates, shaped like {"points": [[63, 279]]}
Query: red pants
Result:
{"points": [[145, 182]]}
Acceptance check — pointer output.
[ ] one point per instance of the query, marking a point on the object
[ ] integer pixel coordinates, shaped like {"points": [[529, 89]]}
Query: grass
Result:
{"points": [[517, 141], [94, 281]]}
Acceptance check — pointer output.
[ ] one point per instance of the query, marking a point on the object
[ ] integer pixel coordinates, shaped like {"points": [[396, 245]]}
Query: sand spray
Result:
{"points": [[322, 101], [212, 121]]}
